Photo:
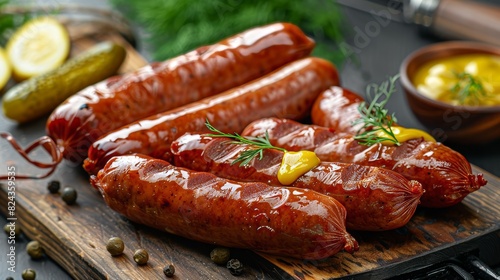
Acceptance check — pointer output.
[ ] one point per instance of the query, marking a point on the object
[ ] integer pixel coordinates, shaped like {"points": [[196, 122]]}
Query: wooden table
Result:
{"points": [[75, 235]]}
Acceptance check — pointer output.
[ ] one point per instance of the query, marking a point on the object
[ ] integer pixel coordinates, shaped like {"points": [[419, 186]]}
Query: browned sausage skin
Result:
{"points": [[288, 92], [161, 86], [444, 173], [376, 199], [198, 205], [337, 108]]}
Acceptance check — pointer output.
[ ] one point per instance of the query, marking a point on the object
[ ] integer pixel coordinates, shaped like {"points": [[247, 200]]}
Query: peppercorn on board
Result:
{"points": [[75, 236]]}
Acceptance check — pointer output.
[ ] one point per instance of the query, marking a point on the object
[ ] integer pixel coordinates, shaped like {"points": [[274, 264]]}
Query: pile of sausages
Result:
{"points": [[142, 137]]}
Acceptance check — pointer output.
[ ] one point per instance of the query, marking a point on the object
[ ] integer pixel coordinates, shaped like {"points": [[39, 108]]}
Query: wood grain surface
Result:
{"points": [[75, 235]]}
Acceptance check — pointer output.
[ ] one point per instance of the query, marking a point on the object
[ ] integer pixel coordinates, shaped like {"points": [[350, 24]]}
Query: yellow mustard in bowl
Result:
{"points": [[469, 79]]}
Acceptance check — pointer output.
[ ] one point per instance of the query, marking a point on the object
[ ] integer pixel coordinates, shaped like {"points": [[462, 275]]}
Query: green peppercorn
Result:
{"points": [[53, 186], [169, 270], [69, 195], [115, 246], [141, 256], [28, 274], [220, 255], [9, 227], [235, 267], [34, 249]]}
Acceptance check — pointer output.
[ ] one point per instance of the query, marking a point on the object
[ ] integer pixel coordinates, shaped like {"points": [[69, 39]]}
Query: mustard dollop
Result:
{"points": [[295, 164], [403, 134]]}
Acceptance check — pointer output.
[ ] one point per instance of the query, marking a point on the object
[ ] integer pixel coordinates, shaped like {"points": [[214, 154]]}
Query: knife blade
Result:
{"points": [[449, 19], [389, 9]]}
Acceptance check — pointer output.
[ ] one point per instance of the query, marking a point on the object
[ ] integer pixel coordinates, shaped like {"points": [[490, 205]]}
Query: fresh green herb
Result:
{"points": [[377, 124], [245, 157], [468, 90], [10, 21], [174, 27]]}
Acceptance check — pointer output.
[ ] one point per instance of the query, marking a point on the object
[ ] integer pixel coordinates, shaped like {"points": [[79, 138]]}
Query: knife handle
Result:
{"points": [[459, 19]]}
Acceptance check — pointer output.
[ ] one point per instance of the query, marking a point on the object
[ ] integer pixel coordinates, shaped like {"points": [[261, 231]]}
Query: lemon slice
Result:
{"points": [[39, 46], [5, 69]]}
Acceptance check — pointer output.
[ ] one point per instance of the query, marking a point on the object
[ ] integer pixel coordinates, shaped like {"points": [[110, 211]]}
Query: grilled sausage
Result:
{"points": [[288, 92], [375, 198], [445, 174], [198, 205], [337, 108], [161, 86]]}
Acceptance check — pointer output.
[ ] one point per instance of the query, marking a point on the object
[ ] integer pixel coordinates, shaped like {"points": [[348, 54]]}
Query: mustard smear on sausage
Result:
{"points": [[404, 134], [295, 164]]}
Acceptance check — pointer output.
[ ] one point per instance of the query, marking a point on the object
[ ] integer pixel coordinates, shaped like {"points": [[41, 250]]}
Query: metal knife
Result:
{"points": [[449, 19]]}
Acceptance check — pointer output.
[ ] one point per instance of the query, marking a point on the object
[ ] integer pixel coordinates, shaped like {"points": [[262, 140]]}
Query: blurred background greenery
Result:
{"points": [[171, 27], [175, 27]]}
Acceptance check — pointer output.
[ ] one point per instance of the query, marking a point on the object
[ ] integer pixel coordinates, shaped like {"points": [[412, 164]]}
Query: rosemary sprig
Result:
{"points": [[261, 143], [468, 90], [377, 125]]}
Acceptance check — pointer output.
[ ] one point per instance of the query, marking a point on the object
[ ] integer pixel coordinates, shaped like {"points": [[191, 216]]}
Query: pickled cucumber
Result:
{"points": [[40, 95]]}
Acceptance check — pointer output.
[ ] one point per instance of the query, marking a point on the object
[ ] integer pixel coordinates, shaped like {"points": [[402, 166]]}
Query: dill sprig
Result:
{"points": [[468, 90], [261, 143], [6, 24], [377, 124]]}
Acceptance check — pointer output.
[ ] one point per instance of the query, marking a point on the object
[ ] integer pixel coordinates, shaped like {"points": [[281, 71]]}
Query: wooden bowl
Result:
{"points": [[447, 122]]}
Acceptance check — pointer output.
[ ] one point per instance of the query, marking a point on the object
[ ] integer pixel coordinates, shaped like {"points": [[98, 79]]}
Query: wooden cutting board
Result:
{"points": [[75, 236]]}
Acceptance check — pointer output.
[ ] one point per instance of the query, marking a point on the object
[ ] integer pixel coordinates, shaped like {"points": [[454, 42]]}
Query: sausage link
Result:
{"points": [[337, 108], [161, 86], [445, 174], [200, 206], [375, 198], [287, 92]]}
